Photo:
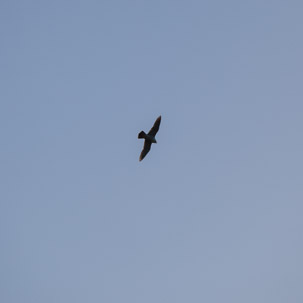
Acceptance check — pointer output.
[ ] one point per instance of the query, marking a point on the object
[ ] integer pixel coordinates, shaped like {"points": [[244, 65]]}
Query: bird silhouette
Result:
{"points": [[149, 138]]}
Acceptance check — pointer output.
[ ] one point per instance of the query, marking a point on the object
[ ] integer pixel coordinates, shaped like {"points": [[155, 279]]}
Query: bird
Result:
{"points": [[149, 138]]}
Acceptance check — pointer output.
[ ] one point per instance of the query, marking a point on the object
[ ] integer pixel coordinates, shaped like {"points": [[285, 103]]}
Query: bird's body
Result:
{"points": [[149, 138], [143, 135]]}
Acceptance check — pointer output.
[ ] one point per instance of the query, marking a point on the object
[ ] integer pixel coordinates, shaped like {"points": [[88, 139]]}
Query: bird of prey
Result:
{"points": [[149, 138]]}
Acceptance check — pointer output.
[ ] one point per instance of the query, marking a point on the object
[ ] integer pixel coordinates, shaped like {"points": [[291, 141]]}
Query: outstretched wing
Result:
{"points": [[155, 128], [145, 150]]}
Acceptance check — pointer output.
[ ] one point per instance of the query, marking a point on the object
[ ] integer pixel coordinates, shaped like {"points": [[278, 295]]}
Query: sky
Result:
{"points": [[213, 213]]}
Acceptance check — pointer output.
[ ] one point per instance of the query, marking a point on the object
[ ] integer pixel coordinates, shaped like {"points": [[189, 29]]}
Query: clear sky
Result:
{"points": [[213, 213]]}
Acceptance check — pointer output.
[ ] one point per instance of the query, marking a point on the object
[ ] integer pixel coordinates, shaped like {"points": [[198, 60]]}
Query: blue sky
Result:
{"points": [[214, 211]]}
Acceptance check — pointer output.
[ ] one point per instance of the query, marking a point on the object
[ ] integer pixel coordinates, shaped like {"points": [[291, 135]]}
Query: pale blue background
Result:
{"points": [[213, 213]]}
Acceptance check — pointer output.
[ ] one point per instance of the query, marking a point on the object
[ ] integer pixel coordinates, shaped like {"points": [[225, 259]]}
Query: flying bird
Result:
{"points": [[149, 138]]}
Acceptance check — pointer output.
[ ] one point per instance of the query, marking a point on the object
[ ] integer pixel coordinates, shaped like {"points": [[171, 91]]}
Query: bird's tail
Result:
{"points": [[141, 135]]}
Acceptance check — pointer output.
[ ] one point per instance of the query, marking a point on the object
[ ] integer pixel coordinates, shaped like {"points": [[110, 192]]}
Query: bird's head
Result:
{"points": [[154, 140]]}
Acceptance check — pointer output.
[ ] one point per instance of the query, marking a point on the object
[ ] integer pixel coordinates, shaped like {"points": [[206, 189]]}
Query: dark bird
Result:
{"points": [[149, 138]]}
